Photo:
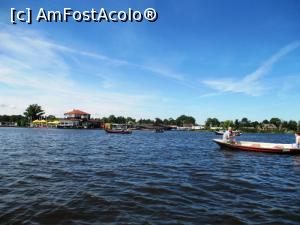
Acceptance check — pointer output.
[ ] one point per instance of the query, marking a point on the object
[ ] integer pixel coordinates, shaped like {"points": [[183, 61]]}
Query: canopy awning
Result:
{"points": [[54, 122], [39, 121]]}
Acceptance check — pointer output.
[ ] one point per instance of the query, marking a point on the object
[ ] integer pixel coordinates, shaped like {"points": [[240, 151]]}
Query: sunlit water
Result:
{"points": [[53, 176]]}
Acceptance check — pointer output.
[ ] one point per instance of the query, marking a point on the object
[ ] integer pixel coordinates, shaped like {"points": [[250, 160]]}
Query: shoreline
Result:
{"points": [[204, 130]]}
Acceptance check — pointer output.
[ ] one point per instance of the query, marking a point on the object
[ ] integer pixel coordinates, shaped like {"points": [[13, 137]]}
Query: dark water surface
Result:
{"points": [[52, 176]]}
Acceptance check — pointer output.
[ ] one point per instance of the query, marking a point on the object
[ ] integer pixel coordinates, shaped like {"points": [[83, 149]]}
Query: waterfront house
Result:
{"points": [[92, 123], [268, 127], [8, 124], [250, 129], [198, 127], [216, 128], [77, 114], [173, 127], [74, 119], [78, 119], [69, 123]]}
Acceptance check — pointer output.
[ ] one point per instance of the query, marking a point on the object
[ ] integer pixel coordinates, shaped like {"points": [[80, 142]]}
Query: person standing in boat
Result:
{"points": [[228, 135], [297, 135]]}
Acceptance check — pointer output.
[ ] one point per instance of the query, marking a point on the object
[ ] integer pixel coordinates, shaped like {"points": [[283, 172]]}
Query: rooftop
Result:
{"points": [[77, 112]]}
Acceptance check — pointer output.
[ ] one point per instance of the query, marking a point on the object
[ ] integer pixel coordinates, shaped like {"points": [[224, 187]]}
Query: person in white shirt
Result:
{"points": [[297, 136], [228, 135]]}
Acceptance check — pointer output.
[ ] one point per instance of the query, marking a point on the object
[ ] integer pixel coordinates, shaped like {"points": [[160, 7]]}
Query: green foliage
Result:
{"points": [[33, 112], [212, 122], [248, 126], [183, 119], [292, 125], [158, 122], [236, 123], [51, 118], [146, 121], [245, 122], [266, 121], [255, 123], [19, 119], [227, 123], [119, 120], [276, 122], [130, 120]]}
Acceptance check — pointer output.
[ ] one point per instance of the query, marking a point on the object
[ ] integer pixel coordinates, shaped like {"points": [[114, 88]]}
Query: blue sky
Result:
{"points": [[224, 59]]}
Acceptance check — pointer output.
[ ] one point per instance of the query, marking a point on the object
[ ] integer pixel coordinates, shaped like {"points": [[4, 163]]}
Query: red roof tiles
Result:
{"points": [[77, 112]]}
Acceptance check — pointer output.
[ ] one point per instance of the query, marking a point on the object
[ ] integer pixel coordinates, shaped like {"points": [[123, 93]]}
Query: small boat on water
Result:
{"points": [[258, 147], [219, 132], [111, 131], [159, 130], [236, 133], [117, 129]]}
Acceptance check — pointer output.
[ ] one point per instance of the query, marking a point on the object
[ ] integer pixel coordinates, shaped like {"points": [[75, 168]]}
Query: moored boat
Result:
{"points": [[236, 133], [258, 147], [115, 128], [159, 130], [219, 132], [111, 131]]}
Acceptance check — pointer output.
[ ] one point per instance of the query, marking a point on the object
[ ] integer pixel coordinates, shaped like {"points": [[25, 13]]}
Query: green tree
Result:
{"points": [[292, 125], [172, 121], [183, 119], [121, 120], [33, 112], [130, 120], [145, 121], [51, 118], [284, 125], [212, 122], [19, 119], [236, 124], [255, 124], [158, 122], [276, 122], [4, 118], [228, 123], [265, 122], [166, 122], [245, 122], [112, 119], [104, 120]]}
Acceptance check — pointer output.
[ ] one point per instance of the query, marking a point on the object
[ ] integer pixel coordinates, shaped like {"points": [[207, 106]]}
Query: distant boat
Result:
{"points": [[118, 129], [236, 133], [159, 130], [111, 131], [258, 147]]}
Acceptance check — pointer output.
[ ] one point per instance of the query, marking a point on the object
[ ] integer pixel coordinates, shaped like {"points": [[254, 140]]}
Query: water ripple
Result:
{"points": [[50, 176]]}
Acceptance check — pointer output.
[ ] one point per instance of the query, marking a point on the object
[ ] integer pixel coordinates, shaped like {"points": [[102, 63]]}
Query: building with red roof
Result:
{"points": [[77, 114]]}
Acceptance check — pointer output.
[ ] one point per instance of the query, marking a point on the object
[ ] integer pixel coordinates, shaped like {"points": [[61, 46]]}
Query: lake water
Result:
{"points": [[53, 176]]}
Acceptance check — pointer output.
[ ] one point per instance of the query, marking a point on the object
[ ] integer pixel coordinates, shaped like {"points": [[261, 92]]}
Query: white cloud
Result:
{"points": [[250, 84], [2, 106], [34, 70], [158, 70]]}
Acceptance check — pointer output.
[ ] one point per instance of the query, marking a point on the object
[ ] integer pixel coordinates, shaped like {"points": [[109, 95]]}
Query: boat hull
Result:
{"points": [[236, 133], [159, 131], [277, 148], [118, 131]]}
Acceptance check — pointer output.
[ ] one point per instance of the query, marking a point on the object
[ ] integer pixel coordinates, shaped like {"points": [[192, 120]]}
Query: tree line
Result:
{"points": [[35, 111], [246, 124], [179, 121]]}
